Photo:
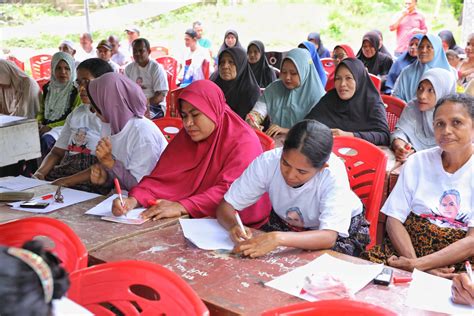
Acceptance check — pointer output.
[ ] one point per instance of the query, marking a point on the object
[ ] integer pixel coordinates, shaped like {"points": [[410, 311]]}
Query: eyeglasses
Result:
{"points": [[81, 83], [339, 56]]}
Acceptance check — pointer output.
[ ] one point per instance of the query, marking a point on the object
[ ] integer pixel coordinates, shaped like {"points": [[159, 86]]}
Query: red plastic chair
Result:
{"points": [[377, 81], [267, 142], [205, 69], [41, 66], [169, 63], [394, 108], [67, 245], [134, 288], [17, 62], [328, 64], [366, 167], [42, 82], [172, 109], [169, 126], [158, 51], [330, 308]]}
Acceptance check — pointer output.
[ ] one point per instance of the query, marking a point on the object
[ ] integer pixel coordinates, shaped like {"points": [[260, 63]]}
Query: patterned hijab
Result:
{"points": [[57, 98]]}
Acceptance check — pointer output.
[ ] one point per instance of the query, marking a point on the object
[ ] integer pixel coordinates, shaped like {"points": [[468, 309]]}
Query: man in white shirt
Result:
{"points": [[68, 47], [194, 59], [133, 33], [86, 50], [118, 56], [104, 52], [150, 76]]}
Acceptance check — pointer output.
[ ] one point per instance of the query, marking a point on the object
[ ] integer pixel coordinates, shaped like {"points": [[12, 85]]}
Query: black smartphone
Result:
{"points": [[34, 204], [385, 277]]}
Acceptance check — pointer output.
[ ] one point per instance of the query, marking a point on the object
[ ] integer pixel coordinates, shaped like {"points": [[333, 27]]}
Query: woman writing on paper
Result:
{"points": [[313, 205], [135, 143], [198, 166], [429, 212]]}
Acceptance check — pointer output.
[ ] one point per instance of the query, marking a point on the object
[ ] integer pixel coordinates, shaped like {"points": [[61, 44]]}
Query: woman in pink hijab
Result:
{"points": [[199, 165]]}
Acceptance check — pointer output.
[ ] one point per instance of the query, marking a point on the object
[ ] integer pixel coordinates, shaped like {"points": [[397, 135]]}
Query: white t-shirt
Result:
{"points": [[114, 66], [324, 202], [426, 189], [120, 58], [197, 58], [138, 146], [82, 55], [151, 78], [81, 131]]}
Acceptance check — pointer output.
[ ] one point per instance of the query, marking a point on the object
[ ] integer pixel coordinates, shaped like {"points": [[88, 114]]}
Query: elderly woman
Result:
{"points": [[414, 130], [354, 108], [288, 100], [429, 212], [60, 97], [466, 69], [430, 55], [19, 94]]}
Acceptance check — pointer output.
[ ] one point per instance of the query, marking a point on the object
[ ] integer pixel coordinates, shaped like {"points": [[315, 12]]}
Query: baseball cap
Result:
{"points": [[104, 43], [68, 43], [133, 29]]}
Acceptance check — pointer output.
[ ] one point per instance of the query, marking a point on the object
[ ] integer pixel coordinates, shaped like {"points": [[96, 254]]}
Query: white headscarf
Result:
{"points": [[18, 92], [416, 127], [57, 100]]}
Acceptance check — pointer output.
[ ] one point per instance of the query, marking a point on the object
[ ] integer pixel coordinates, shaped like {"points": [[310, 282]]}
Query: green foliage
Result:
{"points": [[456, 6]]}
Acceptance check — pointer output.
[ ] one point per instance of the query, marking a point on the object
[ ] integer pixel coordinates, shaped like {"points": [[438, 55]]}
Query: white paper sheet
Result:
{"points": [[19, 183], [66, 307], [7, 119], [70, 197], [104, 209], [432, 293], [206, 234], [354, 276]]}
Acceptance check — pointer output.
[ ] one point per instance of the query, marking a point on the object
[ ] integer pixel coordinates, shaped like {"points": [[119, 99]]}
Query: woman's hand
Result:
{"points": [[401, 263], [237, 235], [402, 150], [129, 204], [252, 122], [446, 272], [339, 132], [164, 209], [64, 182], [44, 129], [259, 245], [103, 152], [98, 175], [38, 175], [463, 290], [275, 130]]}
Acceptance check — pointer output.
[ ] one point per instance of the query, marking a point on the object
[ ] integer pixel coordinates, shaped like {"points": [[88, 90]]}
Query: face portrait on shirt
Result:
{"points": [[449, 204], [196, 124], [294, 217], [289, 75]]}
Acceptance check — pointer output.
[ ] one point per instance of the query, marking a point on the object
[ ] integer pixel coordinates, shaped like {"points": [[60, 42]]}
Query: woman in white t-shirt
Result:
{"points": [[430, 212], [68, 163], [313, 205], [135, 143]]}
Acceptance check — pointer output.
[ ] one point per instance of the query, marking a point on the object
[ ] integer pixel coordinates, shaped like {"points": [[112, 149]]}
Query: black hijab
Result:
{"points": [[317, 38], [261, 69], [224, 45], [379, 64], [243, 92], [363, 114], [448, 37], [382, 49]]}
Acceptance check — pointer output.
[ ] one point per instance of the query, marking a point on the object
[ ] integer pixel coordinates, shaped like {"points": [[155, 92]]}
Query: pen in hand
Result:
{"points": [[468, 269], [239, 221], [119, 192]]}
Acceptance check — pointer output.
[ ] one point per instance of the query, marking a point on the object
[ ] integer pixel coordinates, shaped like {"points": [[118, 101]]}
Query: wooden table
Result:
{"points": [[231, 285], [94, 232]]}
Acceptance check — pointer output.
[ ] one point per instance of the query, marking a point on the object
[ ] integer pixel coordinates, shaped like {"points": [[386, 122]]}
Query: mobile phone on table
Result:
{"points": [[385, 277], [34, 204]]}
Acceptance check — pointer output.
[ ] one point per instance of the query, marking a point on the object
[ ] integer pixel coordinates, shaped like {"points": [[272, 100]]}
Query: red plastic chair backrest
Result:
{"points": [[394, 108], [17, 62], [66, 244], [169, 126], [172, 109], [42, 82], [169, 63], [134, 288], [158, 51], [366, 168], [41, 66], [205, 69], [267, 142], [330, 308], [328, 64], [376, 80]]}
